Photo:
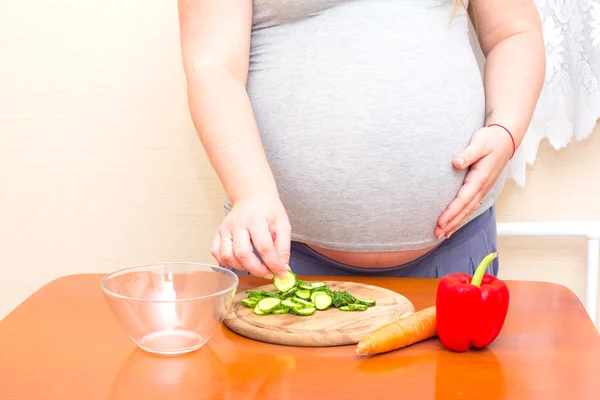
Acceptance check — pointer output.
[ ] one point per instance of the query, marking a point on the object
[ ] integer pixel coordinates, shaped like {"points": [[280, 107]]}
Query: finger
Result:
{"points": [[263, 242], [283, 234], [242, 250], [226, 251], [465, 195], [215, 249], [474, 151], [464, 214]]}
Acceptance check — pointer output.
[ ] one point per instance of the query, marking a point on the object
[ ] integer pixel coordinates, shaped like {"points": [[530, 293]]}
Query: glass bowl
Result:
{"points": [[172, 307]]}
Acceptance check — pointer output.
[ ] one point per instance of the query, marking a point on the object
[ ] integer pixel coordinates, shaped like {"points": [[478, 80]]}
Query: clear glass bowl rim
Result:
{"points": [[141, 267]]}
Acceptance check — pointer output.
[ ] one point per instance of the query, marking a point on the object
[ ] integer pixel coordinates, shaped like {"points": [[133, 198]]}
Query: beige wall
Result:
{"points": [[100, 167]]}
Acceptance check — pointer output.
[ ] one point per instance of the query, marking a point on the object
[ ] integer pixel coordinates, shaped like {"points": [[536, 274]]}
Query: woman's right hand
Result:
{"points": [[260, 223]]}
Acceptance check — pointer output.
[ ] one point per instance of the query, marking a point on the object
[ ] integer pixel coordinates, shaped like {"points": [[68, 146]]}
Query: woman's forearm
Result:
{"points": [[510, 35], [514, 75], [223, 118]]}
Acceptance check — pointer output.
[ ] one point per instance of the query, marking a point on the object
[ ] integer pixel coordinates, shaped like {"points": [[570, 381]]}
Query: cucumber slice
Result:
{"points": [[266, 293], [316, 285], [324, 289], [291, 304], [258, 311], [351, 299], [302, 301], [300, 282], [249, 303], [314, 294], [345, 308], [269, 304], [261, 294], [304, 311], [323, 301], [346, 298], [357, 307], [289, 293], [319, 291], [285, 283], [283, 310], [303, 293], [368, 303], [338, 299], [306, 287]]}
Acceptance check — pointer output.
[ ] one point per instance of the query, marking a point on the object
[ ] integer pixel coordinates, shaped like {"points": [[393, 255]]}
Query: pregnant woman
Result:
{"points": [[358, 137]]}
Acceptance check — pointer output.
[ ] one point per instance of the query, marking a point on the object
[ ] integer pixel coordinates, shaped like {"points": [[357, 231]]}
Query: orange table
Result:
{"points": [[63, 343]]}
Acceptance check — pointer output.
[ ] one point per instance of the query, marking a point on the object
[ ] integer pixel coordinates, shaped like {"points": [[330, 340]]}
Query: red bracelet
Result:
{"points": [[511, 137]]}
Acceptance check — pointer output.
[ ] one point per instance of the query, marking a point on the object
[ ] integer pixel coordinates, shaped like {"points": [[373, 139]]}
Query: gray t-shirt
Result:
{"points": [[361, 106]]}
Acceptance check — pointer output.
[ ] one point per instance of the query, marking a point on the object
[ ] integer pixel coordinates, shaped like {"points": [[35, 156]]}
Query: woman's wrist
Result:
{"points": [[511, 125], [266, 189], [513, 145]]}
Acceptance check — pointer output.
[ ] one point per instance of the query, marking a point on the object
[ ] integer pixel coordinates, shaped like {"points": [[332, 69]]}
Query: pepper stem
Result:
{"points": [[480, 271]]}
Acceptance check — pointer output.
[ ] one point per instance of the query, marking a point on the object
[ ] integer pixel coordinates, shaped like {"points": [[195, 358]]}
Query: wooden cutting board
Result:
{"points": [[331, 327]]}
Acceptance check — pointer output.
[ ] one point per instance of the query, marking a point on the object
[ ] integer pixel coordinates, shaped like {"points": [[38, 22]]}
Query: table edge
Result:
{"points": [[100, 275]]}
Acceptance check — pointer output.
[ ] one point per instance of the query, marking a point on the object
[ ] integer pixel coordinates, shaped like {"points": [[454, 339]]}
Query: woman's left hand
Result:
{"points": [[488, 153]]}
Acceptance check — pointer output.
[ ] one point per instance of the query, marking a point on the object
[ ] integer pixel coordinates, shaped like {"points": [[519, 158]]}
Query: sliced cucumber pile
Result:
{"points": [[302, 298]]}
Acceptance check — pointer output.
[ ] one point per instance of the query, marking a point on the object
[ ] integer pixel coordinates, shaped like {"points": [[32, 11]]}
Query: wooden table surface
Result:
{"points": [[63, 343]]}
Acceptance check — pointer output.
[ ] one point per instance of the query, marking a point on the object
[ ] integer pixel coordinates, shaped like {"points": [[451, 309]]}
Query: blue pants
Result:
{"points": [[462, 252]]}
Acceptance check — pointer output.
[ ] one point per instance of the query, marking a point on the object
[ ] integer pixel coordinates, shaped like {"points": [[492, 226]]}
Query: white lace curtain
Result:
{"points": [[569, 104]]}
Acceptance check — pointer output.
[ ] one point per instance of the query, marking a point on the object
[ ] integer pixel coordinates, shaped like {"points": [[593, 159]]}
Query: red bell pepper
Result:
{"points": [[471, 311]]}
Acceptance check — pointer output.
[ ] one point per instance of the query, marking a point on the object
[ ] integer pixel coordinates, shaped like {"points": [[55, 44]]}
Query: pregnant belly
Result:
{"points": [[370, 182]]}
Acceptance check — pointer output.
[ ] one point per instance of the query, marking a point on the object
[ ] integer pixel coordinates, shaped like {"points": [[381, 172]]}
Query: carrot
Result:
{"points": [[400, 333]]}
